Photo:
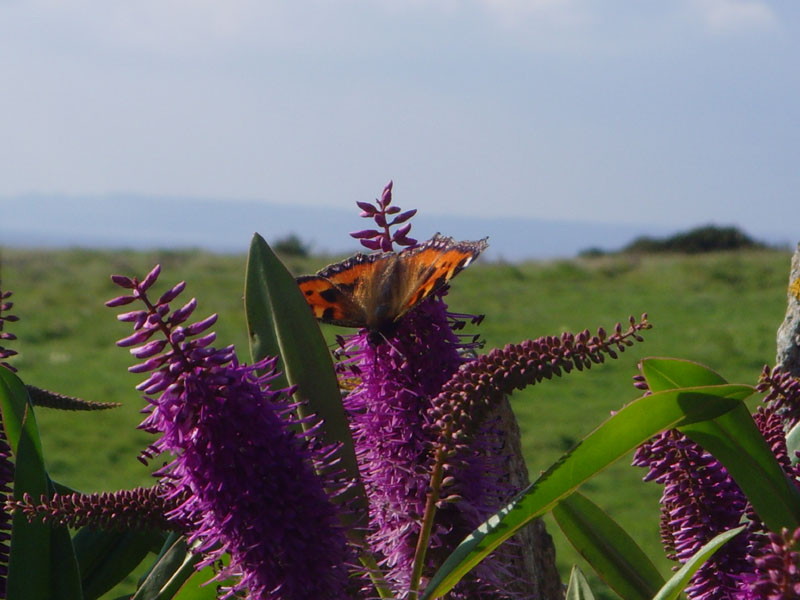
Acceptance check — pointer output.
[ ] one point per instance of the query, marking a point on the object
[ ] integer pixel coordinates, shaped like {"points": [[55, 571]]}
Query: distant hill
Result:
{"points": [[129, 221]]}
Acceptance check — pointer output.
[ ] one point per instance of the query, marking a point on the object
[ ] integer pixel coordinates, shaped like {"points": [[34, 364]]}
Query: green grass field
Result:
{"points": [[719, 309]]}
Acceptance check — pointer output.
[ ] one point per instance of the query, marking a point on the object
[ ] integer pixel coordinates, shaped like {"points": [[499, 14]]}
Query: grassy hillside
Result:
{"points": [[719, 309]]}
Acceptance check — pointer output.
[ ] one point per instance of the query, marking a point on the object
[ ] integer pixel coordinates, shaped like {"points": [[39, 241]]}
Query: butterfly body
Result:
{"points": [[375, 291]]}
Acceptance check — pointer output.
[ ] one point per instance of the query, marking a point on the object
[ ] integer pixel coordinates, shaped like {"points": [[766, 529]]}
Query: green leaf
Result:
{"points": [[198, 588], [734, 440], [35, 548], [672, 373], [281, 324], [578, 588], [673, 588], [608, 548], [635, 423], [65, 575], [16, 408], [107, 557], [174, 566]]}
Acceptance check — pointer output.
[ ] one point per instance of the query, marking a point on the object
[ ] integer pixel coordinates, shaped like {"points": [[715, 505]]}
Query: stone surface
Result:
{"points": [[534, 567], [789, 332]]}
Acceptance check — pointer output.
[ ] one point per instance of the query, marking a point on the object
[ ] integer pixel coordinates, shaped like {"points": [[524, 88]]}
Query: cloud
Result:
{"points": [[734, 16]]}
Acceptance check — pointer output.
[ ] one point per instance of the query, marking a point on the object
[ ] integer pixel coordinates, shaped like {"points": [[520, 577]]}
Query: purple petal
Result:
{"points": [[204, 341], [183, 313], [371, 244], [137, 338], [365, 233], [368, 208], [123, 281], [148, 365], [150, 278], [402, 218], [403, 231], [149, 349], [120, 301], [386, 196], [171, 294], [132, 316], [201, 326]]}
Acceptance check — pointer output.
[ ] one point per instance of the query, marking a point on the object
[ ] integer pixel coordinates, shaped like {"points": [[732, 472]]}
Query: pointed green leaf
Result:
{"points": [[608, 548], [734, 440], [35, 548], [107, 557], [671, 373], [174, 566], [199, 588], [673, 588], [578, 588], [281, 324], [16, 407], [65, 576], [638, 421]]}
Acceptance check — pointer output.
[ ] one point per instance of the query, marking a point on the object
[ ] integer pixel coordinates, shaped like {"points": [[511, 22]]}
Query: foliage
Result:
{"points": [[65, 332], [678, 396], [710, 238], [292, 245]]}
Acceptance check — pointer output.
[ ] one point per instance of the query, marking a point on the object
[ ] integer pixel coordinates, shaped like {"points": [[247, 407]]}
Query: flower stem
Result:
{"points": [[427, 521]]}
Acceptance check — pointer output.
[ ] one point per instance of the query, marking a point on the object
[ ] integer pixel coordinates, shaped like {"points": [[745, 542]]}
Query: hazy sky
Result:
{"points": [[677, 112]]}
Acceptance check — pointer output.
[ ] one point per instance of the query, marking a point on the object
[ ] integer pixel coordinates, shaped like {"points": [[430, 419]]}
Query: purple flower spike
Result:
{"points": [[6, 464], [390, 412], [139, 508], [701, 500], [6, 483], [5, 353], [480, 384], [244, 480], [783, 391], [383, 238], [777, 575]]}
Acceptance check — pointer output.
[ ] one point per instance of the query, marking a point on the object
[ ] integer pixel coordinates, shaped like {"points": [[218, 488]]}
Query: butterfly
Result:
{"points": [[375, 291]]}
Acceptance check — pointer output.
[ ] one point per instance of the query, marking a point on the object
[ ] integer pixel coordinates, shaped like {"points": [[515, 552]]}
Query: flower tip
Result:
{"points": [[386, 196], [172, 293], [367, 208], [150, 278], [123, 281]]}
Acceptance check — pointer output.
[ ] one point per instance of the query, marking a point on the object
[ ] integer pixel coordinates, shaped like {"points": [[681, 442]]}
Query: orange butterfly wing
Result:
{"points": [[372, 290], [430, 267], [335, 292]]}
